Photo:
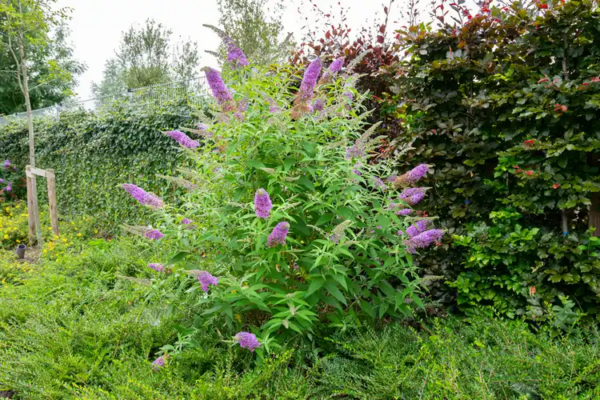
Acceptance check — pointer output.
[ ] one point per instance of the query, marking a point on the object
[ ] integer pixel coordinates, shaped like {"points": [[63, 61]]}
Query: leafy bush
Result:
{"points": [[93, 154], [504, 105], [321, 246]]}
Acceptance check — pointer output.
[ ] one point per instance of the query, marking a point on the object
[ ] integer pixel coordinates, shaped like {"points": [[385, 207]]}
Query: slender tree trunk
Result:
{"points": [[25, 88]]}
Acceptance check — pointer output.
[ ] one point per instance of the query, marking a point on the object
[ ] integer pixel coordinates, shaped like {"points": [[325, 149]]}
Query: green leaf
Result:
{"points": [[314, 286], [335, 292]]}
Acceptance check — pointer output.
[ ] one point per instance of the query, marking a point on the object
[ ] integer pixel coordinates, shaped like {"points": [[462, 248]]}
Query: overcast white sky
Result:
{"points": [[96, 25]]}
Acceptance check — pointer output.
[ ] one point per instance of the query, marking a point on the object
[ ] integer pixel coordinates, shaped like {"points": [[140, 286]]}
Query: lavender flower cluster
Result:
{"points": [[334, 68], [159, 362], [154, 234], [156, 267], [423, 240], [142, 196], [309, 82], [183, 139], [235, 55], [278, 235], [206, 279], [8, 187], [247, 340], [262, 203], [219, 90], [412, 196]]}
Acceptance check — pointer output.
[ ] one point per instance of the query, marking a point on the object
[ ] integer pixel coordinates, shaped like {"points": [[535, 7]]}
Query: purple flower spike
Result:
{"points": [[186, 221], [8, 187], [423, 240], [142, 196], [183, 139], [318, 105], [159, 362], [337, 65], [156, 267], [206, 279], [404, 212], [6, 163], [247, 340], [1, 180], [356, 151], [417, 228], [310, 80], [273, 106], [356, 170], [262, 204], [412, 196], [333, 69], [235, 55], [219, 90], [279, 234], [379, 183], [416, 174], [154, 234]]}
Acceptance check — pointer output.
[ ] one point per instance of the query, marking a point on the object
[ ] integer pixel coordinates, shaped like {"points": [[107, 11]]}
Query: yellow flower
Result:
{"points": [[79, 235]]}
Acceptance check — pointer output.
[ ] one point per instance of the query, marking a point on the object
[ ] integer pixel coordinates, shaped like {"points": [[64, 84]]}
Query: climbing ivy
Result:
{"points": [[93, 154]]}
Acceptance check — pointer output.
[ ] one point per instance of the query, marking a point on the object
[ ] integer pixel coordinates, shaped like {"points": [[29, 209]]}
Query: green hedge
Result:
{"points": [[93, 154], [506, 108]]}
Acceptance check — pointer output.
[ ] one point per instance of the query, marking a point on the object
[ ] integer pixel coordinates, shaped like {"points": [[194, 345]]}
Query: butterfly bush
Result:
{"points": [[183, 139], [159, 362], [293, 257], [262, 204], [247, 340], [334, 68], [206, 280], [279, 234], [142, 196], [157, 267], [154, 234]]}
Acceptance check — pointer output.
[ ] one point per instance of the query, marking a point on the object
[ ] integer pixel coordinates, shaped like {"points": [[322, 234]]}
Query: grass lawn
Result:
{"points": [[89, 323]]}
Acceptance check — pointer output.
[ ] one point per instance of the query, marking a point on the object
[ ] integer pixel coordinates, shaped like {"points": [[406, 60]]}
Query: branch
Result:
{"points": [[18, 71]]}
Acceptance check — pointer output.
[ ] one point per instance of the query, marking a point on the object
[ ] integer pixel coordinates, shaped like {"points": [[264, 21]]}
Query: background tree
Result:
{"points": [[256, 28], [25, 28], [147, 56], [43, 92]]}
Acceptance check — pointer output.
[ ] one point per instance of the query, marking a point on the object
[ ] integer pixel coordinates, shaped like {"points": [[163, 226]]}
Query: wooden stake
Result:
{"points": [[51, 180], [30, 208], [32, 202]]}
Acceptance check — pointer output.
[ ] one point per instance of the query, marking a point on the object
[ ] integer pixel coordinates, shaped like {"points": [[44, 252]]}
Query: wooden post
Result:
{"points": [[51, 180], [30, 208], [32, 202]]}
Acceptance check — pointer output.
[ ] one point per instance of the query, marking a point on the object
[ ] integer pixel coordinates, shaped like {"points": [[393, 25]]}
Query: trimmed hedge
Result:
{"points": [[506, 107], [92, 155]]}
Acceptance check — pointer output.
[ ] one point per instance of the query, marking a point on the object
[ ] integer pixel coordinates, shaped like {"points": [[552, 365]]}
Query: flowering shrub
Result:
{"points": [[296, 231]]}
